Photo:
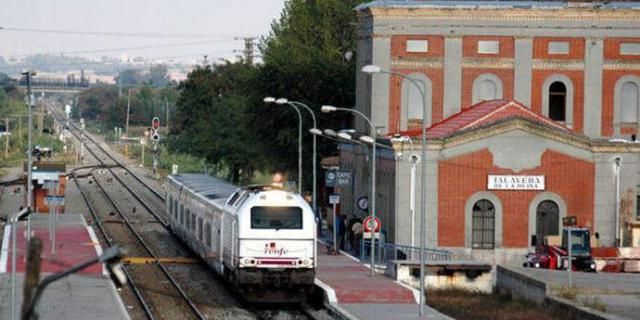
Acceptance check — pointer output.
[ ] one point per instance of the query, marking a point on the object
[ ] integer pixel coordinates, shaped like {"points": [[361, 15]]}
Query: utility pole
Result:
{"points": [[6, 136], [33, 275], [126, 130], [166, 100], [28, 76]]}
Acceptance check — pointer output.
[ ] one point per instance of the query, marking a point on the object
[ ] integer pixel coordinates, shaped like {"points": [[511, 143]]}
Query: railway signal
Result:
{"points": [[155, 123], [155, 137]]}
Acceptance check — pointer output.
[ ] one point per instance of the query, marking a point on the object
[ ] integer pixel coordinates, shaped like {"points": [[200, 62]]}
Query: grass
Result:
{"points": [[594, 303], [462, 305], [568, 293]]}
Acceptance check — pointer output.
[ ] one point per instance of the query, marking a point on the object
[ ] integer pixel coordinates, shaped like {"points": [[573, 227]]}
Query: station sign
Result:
{"points": [[334, 198], [337, 178], [515, 182], [54, 200]]}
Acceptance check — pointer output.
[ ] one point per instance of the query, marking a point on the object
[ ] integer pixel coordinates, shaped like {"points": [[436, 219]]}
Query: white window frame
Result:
{"points": [[417, 46], [488, 46]]}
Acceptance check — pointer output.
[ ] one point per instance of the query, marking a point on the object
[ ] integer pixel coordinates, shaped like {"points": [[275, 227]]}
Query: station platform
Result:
{"points": [[87, 294], [353, 293]]}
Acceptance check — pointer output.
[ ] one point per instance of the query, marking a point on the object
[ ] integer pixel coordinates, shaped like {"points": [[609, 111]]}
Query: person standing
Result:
{"points": [[342, 230], [356, 229]]}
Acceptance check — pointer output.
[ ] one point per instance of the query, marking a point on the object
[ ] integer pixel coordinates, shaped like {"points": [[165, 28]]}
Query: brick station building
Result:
{"points": [[529, 104]]}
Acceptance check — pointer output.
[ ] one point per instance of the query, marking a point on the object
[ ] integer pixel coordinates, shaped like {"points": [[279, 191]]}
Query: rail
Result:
{"points": [[388, 252]]}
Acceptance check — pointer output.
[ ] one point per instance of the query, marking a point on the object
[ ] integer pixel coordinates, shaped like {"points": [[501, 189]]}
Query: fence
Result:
{"points": [[386, 252]]}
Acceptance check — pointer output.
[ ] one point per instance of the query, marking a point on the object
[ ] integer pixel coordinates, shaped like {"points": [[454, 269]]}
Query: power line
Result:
{"points": [[172, 45], [122, 34]]}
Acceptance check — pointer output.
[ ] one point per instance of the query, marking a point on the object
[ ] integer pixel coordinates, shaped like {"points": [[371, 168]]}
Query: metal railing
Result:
{"points": [[387, 252]]}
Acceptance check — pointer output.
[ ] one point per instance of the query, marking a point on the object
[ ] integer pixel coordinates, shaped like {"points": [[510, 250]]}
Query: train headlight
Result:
{"points": [[593, 266], [249, 262], [537, 265]]}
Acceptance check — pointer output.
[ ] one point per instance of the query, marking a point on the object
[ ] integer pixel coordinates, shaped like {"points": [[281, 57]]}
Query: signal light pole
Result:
{"points": [[155, 137]]}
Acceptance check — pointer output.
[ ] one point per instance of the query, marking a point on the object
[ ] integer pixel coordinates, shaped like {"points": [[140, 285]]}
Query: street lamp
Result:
{"points": [[327, 109], [412, 195], [273, 100], [330, 133], [282, 101], [372, 69]]}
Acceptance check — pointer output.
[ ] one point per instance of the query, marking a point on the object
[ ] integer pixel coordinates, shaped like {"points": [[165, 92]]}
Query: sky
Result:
{"points": [[159, 29]]}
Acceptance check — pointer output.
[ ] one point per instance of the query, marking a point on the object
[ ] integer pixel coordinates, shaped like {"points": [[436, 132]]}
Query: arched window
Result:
{"points": [[486, 87], [483, 225], [547, 220], [412, 105], [557, 101], [629, 102]]}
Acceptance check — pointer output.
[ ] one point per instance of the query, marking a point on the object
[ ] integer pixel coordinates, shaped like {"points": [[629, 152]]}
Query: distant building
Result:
{"points": [[560, 79]]}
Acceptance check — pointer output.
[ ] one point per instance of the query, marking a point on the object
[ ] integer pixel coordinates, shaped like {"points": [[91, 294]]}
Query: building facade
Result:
{"points": [[566, 80]]}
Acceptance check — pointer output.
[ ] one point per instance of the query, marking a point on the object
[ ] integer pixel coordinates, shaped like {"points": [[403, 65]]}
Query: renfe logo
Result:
{"points": [[271, 249]]}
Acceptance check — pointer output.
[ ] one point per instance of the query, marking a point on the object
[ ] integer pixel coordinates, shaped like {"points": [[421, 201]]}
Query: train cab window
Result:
{"points": [[276, 218], [207, 234], [200, 229], [233, 198]]}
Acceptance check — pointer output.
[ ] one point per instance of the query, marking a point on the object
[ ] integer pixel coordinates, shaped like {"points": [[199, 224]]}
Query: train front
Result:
{"points": [[277, 247]]}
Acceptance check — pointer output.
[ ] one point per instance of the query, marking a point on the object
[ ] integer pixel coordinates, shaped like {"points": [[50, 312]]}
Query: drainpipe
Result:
{"points": [[618, 234]]}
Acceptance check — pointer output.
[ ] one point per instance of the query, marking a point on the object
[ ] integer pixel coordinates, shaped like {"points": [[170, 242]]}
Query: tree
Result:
{"points": [[95, 103], [211, 119], [3, 96], [130, 77], [305, 60], [158, 76]]}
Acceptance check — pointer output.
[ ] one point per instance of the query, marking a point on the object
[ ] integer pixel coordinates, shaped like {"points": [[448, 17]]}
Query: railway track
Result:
{"points": [[128, 203]]}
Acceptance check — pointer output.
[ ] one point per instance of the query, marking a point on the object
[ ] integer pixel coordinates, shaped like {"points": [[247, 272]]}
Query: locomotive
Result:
{"points": [[261, 238]]}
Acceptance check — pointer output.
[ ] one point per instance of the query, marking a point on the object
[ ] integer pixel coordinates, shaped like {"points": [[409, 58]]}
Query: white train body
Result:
{"points": [[261, 239]]}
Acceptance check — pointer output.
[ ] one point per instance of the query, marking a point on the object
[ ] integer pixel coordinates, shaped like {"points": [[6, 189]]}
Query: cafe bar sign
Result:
{"points": [[499, 182]]}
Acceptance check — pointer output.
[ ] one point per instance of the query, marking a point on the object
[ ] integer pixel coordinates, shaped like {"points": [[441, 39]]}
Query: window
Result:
{"points": [[193, 222], [187, 219], [200, 230], [181, 214], [488, 46], [638, 203], [207, 234], [557, 101], [558, 47], [629, 102], [486, 87], [547, 220], [412, 107], [417, 45], [483, 225], [276, 218], [630, 48]]}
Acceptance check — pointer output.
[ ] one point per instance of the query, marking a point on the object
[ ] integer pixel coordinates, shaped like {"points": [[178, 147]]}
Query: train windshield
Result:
{"points": [[276, 218]]}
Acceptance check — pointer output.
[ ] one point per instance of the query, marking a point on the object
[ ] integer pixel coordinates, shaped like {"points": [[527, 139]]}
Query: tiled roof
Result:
{"points": [[483, 114]]}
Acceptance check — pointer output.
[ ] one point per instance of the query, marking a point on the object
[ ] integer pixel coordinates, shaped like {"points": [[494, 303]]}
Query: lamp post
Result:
{"points": [[371, 69], [412, 195], [282, 101], [372, 139], [273, 100]]}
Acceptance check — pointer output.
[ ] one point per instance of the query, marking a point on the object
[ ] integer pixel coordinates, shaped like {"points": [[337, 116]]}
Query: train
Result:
{"points": [[261, 239]]}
